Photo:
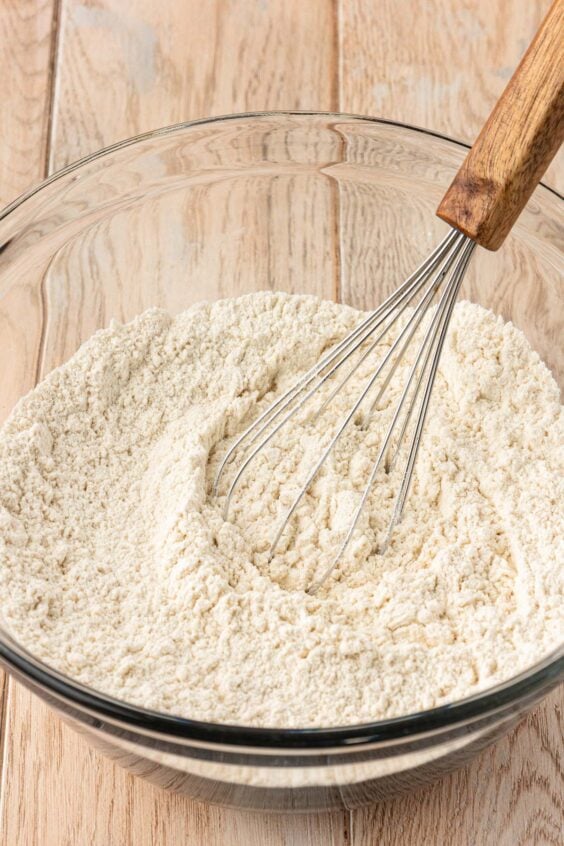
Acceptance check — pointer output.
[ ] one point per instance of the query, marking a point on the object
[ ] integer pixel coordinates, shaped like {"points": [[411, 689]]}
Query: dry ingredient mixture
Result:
{"points": [[118, 568]]}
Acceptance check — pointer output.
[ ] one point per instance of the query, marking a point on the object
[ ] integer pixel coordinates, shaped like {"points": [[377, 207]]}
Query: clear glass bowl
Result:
{"points": [[331, 204]]}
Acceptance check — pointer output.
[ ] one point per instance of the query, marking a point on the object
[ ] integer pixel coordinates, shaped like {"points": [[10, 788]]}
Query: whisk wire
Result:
{"points": [[416, 439], [413, 402], [408, 330], [429, 343], [426, 301]]}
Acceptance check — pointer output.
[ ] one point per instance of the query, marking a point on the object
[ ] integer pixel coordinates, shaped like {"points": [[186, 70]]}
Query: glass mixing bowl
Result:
{"points": [[331, 204]]}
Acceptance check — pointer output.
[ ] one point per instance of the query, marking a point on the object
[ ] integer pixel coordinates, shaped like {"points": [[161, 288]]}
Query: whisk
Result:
{"points": [[514, 148]]}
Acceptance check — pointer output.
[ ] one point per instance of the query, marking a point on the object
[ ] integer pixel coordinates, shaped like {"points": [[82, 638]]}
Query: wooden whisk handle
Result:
{"points": [[517, 143]]}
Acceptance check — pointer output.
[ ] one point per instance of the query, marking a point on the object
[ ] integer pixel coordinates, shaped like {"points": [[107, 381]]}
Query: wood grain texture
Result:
{"points": [[435, 64], [403, 69], [62, 793], [511, 795], [26, 51], [123, 68], [517, 143], [26, 47], [129, 67]]}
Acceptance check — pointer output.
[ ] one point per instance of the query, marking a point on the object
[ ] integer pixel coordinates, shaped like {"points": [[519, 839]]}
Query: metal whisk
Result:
{"points": [[517, 143]]}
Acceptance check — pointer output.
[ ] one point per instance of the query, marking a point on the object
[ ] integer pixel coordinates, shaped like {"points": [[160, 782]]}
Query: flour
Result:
{"points": [[118, 568]]}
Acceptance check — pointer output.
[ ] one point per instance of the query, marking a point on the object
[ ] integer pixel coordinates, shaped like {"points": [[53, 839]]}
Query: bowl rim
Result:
{"points": [[543, 674], [188, 124]]}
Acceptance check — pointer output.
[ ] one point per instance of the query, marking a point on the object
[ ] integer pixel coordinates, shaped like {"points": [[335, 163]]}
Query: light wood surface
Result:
{"points": [[436, 63], [84, 74], [517, 143], [26, 38]]}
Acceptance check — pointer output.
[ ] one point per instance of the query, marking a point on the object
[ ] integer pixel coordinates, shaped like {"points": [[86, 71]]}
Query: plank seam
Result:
{"points": [[337, 9], [52, 85], [349, 835], [3, 745], [339, 39]]}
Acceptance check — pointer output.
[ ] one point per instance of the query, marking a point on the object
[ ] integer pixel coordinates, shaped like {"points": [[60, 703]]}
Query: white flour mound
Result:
{"points": [[118, 568]]}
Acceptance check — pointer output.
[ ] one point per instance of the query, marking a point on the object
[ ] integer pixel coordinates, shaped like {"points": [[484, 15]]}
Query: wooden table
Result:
{"points": [[80, 75]]}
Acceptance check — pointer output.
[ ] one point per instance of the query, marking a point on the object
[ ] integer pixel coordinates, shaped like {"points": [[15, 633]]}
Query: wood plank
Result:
{"points": [[409, 71], [517, 790], [276, 55], [66, 794], [208, 242], [26, 47], [442, 65], [492, 801], [169, 62], [26, 44]]}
